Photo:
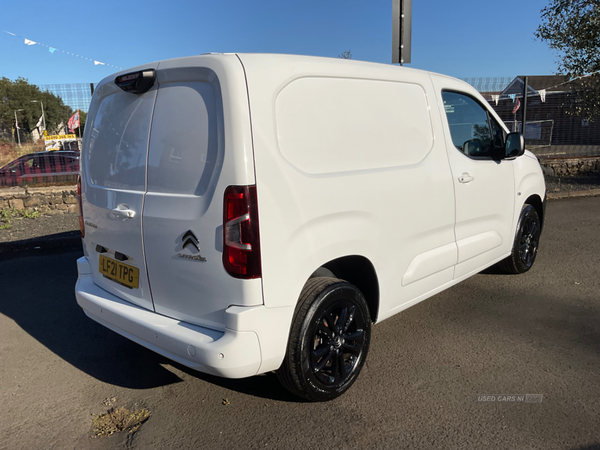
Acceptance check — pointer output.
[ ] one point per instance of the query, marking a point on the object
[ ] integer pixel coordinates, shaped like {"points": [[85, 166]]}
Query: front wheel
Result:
{"points": [[329, 340], [526, 242]]}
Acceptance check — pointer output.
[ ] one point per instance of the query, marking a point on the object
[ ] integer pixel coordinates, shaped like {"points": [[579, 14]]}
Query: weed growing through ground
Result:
{"points": [[6, 216], [117, 420]]}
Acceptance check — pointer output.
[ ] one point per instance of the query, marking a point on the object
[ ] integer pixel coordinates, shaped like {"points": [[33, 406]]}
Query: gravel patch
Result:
{"points": [[23, 228]]}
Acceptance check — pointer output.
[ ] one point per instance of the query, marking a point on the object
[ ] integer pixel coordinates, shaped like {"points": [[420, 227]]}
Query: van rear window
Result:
{"points": [[119, 141], [184, 142]]}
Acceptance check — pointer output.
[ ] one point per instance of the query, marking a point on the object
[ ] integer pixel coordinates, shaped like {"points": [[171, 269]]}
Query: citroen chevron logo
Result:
{"points": [[190, 239]]}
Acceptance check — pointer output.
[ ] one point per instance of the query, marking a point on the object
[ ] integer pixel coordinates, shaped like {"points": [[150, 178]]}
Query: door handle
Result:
{"points": [[123, 212], [465, 178]]}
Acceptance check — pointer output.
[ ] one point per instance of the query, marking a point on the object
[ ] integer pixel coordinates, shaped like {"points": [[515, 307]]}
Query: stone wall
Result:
{"points": [[47, 200], [561, 167]]}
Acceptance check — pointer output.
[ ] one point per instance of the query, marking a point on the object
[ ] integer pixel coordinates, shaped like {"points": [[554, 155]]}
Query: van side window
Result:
{"points": [[474, 132]]}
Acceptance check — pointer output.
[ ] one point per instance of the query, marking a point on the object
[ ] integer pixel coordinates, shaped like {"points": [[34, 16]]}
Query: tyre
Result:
{"points": [[329, 340], [527, 240]]}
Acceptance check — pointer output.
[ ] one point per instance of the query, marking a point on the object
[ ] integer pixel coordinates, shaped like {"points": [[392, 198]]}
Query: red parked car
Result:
{"points": [[42, 168]]}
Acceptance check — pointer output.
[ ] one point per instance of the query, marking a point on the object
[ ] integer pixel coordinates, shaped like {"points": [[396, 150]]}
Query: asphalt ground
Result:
{"points": [[499, 335]]}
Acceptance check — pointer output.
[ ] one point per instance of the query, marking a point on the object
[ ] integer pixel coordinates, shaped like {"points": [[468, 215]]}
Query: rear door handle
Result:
{"points": [[123, 212], [465, 178]]}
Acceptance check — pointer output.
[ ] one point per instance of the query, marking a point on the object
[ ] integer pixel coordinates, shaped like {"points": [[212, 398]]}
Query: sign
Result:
{"points": [[56, 137]]}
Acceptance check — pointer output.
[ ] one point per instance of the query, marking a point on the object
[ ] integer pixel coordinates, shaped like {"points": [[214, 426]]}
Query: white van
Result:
{"points": [[247, 213]]}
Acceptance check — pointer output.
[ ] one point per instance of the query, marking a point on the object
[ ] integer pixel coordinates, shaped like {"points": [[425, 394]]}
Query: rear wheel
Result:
{"points": [[526, 242], [329, 340]]}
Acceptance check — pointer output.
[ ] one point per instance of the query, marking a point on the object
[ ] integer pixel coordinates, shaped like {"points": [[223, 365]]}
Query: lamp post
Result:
{"points": [[43, 115], [17, 126]]}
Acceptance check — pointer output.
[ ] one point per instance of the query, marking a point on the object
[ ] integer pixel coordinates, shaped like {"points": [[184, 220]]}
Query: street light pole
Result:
{"points": [[17, 126], [43, 115]]}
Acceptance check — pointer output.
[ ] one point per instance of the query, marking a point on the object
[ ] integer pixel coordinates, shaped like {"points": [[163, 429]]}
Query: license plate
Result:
{"points": [[123, 274]]}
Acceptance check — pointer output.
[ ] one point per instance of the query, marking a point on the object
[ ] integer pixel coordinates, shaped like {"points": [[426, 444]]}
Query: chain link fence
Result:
{"points": [[76, 95]]}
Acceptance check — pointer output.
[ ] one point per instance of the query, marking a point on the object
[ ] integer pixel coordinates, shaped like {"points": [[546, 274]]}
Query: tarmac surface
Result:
{"points": [[422, 387]]}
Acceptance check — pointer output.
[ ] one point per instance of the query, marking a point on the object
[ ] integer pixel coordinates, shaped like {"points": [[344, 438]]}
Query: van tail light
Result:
{"points": [[241, 242], [79, 202]]}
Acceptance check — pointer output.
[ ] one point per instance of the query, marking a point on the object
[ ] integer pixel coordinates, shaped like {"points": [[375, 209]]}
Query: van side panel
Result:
{"points": [[339, 126], [370, 177]]}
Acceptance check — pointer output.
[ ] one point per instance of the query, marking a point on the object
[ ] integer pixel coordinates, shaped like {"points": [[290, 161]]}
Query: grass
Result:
{"points": [[118, 420], [6, 216]]}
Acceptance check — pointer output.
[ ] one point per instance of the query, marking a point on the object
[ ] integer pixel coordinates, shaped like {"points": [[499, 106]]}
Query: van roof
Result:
{"points": [[382, 69]]}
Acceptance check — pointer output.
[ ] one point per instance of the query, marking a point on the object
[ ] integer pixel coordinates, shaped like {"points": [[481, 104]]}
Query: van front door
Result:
{"points": [[483, 186]]}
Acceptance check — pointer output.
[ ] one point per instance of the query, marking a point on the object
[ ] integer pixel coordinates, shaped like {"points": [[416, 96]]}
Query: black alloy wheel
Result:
{"points": [[329, 340], [338, 341], [526, 244], [530, 239]]}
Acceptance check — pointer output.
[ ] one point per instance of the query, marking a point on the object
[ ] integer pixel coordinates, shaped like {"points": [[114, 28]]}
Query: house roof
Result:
{"points": [[551, 83], [536, 83]]}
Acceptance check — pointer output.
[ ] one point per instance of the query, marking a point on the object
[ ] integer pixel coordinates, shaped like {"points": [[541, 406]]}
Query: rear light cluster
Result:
{"points": [[79, 201], [241, 242]]}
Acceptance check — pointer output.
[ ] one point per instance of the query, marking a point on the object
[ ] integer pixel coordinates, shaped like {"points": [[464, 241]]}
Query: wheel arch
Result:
{"points": [[360, 272], [535, 201]]}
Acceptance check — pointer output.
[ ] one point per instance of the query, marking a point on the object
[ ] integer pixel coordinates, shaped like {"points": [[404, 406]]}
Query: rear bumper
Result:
{"points": [[234, 353]]}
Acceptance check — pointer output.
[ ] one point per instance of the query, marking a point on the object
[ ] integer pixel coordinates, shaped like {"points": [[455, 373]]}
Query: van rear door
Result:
{"points": [[115, 152], [201, 110]]}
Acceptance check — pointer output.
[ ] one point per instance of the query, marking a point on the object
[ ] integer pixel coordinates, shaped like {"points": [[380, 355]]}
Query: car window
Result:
{"points": [[28, 163], [64, 164], [41, 163], [470, 128], [15, 165]]}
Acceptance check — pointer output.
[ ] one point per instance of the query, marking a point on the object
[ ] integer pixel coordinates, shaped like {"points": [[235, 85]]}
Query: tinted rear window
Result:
{"points": [[185, 138], [118, 145]]}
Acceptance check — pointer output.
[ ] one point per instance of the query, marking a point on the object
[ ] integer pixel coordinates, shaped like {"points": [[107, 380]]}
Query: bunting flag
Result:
{"points": [[543, 95], [513, 97], [496, 98], [517, 106], [29, 42]]}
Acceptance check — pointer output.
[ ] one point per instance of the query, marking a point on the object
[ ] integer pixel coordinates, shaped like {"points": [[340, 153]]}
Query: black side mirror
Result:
{"points": [[515, 145]]}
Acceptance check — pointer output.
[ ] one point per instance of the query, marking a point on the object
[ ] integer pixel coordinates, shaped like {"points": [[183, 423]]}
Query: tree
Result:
{"points": [[18, 94], [572, 27], [345, 55]]}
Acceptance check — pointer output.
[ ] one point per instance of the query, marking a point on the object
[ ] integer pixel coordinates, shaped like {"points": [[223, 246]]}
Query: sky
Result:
{"points": [[461, 38]]}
